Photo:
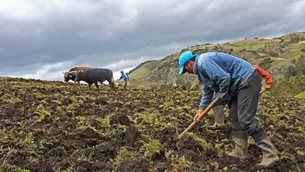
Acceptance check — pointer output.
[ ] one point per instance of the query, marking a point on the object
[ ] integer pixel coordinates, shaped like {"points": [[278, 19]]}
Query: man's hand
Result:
{"points": [[198, 113], [267, 87]]}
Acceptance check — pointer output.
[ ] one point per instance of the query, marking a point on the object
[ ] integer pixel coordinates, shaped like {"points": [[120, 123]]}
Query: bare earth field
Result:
{"points": [[54, 126]]}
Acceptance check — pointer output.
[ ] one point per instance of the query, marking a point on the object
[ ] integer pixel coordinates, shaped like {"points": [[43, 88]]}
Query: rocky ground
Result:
{"points": [[54, 126]]}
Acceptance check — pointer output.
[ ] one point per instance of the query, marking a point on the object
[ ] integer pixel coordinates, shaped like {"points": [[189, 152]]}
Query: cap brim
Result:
{"points": [[181, 71]]}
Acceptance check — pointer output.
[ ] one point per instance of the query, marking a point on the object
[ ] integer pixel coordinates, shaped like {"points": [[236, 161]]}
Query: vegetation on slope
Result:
{"points": [[283, 57], [141, 64]]}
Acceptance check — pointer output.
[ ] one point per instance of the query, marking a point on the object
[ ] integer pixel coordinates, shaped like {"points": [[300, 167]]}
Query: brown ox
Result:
{"points": [[71, 74]]}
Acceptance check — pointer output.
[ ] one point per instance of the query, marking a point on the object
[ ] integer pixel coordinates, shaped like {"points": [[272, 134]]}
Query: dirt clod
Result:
{"points": [[120, 119], [134, 165]]}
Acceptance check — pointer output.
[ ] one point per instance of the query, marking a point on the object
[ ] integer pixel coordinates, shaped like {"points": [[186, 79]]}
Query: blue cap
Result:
{"points": [[184, 57]]}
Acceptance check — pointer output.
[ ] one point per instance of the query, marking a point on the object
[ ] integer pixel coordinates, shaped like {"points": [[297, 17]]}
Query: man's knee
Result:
{"points": [[247, 124], [252, 127], [234, 123]]}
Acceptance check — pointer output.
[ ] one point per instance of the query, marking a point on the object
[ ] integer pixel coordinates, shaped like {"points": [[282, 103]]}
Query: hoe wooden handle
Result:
{"points": [[199, 117]]}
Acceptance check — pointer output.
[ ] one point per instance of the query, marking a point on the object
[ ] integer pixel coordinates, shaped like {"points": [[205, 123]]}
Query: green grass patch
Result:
{"points": [[251, 44], [122, 155], [151, 147], [204, 144], [10, 99], [140, 73], [143, 120], [293, 51], [301, 95]]}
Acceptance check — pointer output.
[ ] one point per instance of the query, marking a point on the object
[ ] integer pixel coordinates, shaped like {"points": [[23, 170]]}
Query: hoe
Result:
{"points": [[203, 114]]}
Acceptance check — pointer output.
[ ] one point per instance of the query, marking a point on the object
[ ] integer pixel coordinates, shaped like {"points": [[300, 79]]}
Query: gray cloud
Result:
{"points": [[52, 36]]}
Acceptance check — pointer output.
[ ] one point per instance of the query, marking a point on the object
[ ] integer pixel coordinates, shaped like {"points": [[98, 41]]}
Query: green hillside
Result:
{"points": [[283, 57]]}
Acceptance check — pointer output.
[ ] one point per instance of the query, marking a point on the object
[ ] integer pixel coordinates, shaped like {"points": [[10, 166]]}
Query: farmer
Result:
{"points": [[125, 77], [219, 106], [236, 81]]}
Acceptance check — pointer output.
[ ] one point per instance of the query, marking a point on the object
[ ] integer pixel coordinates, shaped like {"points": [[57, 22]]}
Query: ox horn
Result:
{"points": [[73, 72]]}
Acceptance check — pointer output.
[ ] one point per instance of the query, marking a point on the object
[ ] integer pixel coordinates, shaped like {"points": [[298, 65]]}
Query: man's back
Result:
{"points": [[215, 64], [231, 64], [124, 76]]}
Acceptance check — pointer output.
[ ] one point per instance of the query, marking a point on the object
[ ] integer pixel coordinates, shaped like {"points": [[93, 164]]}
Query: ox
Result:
{"points": [[95, 75], [70, 75]]}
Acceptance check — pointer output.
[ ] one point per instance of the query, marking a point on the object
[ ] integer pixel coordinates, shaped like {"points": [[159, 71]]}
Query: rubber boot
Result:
{"points": [[269, 154], [241, 149], [219, 117]]}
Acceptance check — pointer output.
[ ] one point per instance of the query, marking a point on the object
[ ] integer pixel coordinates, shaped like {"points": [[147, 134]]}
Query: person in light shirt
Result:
{"points": [[125, 78]]}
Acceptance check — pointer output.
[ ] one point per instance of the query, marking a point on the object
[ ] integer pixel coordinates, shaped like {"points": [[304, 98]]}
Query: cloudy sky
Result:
{"points": [[42, 38]]}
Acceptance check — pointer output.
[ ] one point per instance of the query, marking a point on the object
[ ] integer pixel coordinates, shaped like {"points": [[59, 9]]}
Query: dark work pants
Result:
{"points": [[125, 84], [243, 109]]}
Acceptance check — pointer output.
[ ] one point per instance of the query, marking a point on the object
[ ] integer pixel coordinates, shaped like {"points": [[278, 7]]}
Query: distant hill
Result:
{"points": [[282, 56], [141, 64]]}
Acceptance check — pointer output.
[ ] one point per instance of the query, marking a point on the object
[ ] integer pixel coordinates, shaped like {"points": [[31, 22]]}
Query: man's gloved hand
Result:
{"points": [[198, 113]]}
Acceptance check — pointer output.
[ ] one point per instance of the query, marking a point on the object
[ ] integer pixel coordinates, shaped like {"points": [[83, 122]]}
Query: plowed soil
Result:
{"points": [[55, 126]]}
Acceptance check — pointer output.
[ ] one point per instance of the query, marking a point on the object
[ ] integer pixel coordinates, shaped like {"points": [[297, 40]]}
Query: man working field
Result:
{"points": [[236, 81], [218, 109]]}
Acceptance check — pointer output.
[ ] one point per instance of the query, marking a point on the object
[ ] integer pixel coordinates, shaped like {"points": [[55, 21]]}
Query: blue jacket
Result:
{"points": [[124, 76], [220, 72]]}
